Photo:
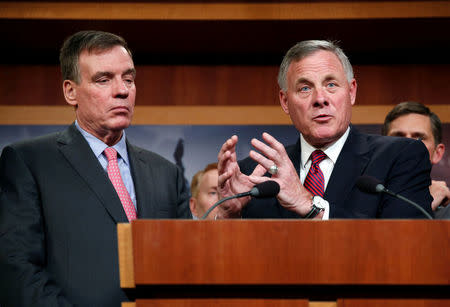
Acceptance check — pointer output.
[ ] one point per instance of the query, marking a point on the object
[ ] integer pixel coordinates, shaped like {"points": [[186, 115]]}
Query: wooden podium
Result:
{"points": [[341, 263]]}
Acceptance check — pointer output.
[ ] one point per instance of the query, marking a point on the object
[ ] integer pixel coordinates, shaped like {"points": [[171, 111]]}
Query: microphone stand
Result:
{"points": [[223, 200]]}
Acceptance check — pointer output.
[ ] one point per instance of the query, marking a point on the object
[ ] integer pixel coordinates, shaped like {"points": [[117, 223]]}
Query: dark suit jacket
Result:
{"points": [[58, 216], [403, 165]]}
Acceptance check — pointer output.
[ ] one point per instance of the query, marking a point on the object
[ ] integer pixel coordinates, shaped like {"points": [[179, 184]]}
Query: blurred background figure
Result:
{"points": [[204, 191], [414, 120], [178, 157]]}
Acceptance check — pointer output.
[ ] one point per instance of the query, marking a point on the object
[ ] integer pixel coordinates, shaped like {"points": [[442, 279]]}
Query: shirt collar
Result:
{"points": [[332, 151], [98, 146]]}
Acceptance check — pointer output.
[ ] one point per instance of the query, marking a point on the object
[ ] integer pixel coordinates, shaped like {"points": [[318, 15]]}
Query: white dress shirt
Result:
{"points": [[332, 151]]}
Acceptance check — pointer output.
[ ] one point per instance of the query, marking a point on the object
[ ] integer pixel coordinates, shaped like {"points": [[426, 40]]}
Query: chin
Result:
{"points": [[324, 138], [121, 124]]}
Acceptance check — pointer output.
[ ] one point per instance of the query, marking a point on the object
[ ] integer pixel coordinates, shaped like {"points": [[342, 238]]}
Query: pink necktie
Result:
{"points": [[315, 181], [116, 179]]}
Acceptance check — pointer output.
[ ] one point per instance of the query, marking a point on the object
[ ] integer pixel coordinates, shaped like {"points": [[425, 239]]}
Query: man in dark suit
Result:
{"points": [[63, 194], [317, 176], [416, 121]]}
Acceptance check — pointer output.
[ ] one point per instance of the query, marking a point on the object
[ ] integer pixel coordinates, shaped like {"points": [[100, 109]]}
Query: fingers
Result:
{"points": [[271, 153], [229, 145], [223, 179], [259, 171], [273, 142], [263, 162], [440, 193], [227, 154]]}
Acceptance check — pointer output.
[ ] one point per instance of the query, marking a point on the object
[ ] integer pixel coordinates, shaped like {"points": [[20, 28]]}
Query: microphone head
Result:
{"points": [[369, 184], [265, 189]]}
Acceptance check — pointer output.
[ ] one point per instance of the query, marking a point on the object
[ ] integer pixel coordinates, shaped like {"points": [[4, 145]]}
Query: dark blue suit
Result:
{"points": [[403, 165], [58, 218]]}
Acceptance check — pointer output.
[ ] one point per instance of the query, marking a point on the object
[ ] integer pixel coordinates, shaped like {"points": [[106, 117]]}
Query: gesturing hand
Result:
{"points": [[293, 195], [232, 180]]}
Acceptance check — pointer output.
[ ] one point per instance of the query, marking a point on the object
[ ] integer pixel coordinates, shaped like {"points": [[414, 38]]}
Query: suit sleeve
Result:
{"points": [[183, 210], [24, 280], [410, 177]]}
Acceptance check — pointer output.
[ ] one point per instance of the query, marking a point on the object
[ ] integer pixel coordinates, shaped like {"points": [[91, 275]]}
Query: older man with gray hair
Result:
{"points": [[318, 174]]}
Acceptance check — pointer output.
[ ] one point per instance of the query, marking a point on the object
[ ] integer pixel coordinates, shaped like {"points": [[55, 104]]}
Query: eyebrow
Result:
{"points": [[100, 74], [307, 81], [130, 71], [414, 133], [330, 77], [302, 80]]}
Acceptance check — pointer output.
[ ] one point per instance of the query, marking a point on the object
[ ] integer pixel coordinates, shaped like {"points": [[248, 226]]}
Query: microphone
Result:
{"points": [[264, 189], [369, 184]]}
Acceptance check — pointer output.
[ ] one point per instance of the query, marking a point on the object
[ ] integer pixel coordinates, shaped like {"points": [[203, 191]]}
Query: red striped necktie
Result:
{"points": [[315, 181]]}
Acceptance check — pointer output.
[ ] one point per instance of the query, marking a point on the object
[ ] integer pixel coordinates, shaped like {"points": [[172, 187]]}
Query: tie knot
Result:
{"points": [[110, 153], [317, 156]]}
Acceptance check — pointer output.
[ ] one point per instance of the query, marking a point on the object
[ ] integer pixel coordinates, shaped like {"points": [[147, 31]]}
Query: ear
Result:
{"points": [[193, 206], [353, 87], [438, 153], [70, 92], [284, 102]]}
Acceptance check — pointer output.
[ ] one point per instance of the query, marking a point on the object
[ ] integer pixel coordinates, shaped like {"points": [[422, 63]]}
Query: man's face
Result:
{"points": [[105, 96], [415, 126], [319, 98], [207, 194]]}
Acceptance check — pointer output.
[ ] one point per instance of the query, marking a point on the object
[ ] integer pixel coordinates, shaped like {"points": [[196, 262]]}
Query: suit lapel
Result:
{"points": [[142, 183], [77, 151], [350, 164], [293, 152]]}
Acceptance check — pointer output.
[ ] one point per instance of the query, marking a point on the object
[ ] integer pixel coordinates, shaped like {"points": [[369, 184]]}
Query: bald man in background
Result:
{"points": [[204, 192]]}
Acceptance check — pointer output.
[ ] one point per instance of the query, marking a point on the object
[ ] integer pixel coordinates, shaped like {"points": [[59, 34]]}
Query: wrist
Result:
{"points": [[303, 206], [317, 205]]}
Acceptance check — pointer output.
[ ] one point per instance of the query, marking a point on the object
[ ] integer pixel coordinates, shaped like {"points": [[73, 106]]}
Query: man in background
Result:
{"points": [[63, 194], [416, 121], [204, 192]]}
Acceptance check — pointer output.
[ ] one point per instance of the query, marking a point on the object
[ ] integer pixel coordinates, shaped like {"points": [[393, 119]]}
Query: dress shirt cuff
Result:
{"points": [[326, 213]]}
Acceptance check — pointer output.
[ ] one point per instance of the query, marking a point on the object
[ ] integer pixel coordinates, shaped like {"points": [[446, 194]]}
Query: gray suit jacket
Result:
{"points": [[58, 216]]}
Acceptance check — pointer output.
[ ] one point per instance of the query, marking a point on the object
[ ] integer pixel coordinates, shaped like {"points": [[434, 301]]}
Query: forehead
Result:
{"points": [[412, 122], [210, 177], [317, 64], [116, 57]]}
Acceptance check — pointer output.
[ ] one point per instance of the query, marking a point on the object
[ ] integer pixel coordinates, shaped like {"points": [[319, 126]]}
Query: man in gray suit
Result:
{"points": [[63, 194]]}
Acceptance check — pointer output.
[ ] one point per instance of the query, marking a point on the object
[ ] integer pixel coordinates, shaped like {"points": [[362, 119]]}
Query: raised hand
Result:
{"points": [[232, 180], [293, 195], [441, 194]]}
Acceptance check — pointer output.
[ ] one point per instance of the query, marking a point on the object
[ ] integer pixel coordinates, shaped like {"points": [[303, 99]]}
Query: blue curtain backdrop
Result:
{"points": [[202, 143]]}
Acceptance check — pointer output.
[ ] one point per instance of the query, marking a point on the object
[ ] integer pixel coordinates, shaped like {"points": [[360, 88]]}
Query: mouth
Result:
{"points": [[322, 117], [121, 109]]}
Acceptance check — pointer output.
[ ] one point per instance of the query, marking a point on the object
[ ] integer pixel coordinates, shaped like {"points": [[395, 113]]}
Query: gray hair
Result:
{"points": [[306, 48], [85, 40]]}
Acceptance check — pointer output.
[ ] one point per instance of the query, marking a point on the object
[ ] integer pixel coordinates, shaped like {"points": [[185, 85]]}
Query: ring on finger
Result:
{"points": [[273, 169]]}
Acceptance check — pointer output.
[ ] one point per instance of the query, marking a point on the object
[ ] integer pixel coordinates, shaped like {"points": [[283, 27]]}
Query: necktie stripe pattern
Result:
{"points": [[119, 186], [314, 181]]}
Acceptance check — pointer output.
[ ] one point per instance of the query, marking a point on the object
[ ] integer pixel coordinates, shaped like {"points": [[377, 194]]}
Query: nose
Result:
{"points": [[320, 98], [121, 89]]}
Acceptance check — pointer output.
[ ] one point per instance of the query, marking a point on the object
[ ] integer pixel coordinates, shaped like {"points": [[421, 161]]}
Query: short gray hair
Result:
{"points": [[306, 48]]}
